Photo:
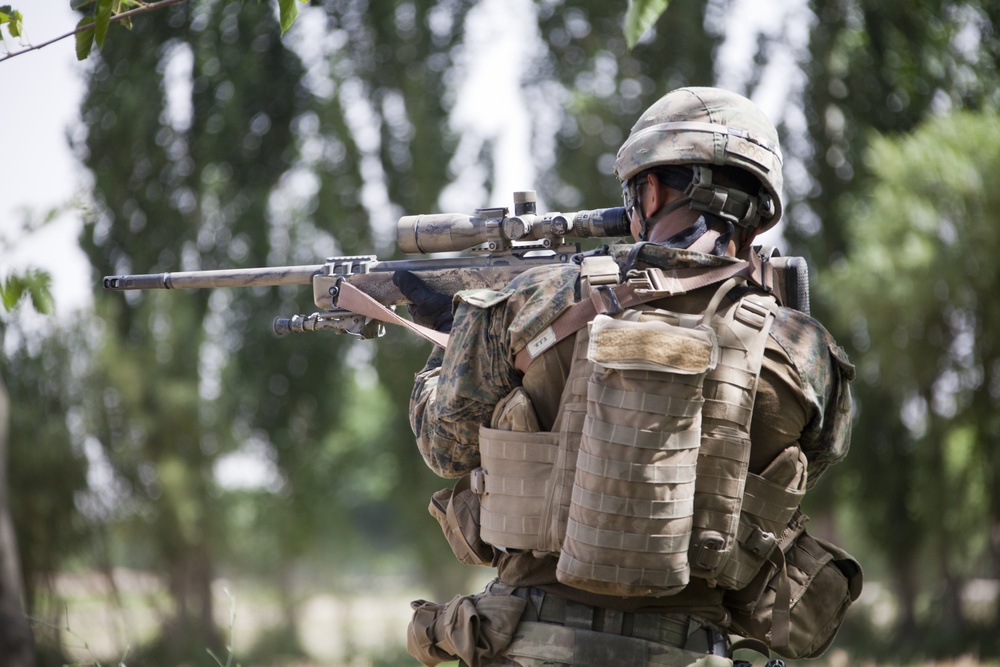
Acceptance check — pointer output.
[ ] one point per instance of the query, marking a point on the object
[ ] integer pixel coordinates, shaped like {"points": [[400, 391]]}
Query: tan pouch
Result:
{"points": [[473, 628], [796, 608], [630, 515], [769, 502], [457, 510], [517, 465]]}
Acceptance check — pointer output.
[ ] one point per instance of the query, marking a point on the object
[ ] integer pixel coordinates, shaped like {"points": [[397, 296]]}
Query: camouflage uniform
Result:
{"points": [[703, 143], [803, 397]]}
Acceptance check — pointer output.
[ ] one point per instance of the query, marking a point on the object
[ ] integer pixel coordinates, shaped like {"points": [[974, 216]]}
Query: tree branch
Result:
{"points": [[114, 19]]}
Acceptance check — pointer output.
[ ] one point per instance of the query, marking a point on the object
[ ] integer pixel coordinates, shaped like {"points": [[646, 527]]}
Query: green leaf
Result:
{"points": [[288, 11], [84, 38], [11, 290], [120, 7], [79, 4], [40, 288], [13, 19], [16, 26], [640, 17], [103, 21], [34, 283]]}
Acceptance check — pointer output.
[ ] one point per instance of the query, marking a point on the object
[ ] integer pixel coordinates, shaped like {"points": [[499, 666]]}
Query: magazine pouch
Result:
{"points": [[632, 503]]}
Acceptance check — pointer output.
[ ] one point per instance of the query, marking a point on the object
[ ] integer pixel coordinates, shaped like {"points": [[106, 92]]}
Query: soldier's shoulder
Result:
{"points": [[537, 297], [540, 284], [808, 343], [545, 278]]}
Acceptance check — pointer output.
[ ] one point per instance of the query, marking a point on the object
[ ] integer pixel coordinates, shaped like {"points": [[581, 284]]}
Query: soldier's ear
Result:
{"points": [[660, 193]]}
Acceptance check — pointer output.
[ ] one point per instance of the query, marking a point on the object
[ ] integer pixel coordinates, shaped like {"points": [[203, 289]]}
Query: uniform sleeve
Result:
{"points": [[458, 389], [824, 376]]}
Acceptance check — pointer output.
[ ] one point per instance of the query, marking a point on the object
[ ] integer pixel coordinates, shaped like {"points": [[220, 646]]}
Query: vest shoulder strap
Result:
{"points": [[609, 298]]}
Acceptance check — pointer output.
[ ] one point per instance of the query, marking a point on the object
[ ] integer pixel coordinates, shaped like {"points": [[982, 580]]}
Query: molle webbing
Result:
{"points": [[725, 450], [642, 481], [630, 518], [642, 287], [515, 490]]}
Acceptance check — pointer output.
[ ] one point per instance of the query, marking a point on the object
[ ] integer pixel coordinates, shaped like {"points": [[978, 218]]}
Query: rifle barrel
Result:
{"points": [[266, 276]]}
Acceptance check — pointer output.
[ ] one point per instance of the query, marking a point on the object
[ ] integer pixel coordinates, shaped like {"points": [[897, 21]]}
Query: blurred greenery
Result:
{"points": [[213, 142]]}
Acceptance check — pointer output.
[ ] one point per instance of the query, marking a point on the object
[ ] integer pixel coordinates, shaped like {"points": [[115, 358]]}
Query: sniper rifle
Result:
{"points": [[355, 293]]}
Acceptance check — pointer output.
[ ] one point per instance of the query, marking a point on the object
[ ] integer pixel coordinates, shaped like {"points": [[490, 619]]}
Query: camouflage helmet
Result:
{"points": [[708, 126]]}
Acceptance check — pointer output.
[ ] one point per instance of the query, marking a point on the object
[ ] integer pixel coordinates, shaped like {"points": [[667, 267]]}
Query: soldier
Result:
{"points": [[634, 467]]}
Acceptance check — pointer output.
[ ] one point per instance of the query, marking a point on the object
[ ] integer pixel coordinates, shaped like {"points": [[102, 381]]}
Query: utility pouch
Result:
{"points": [[516, 469], [796, 604], [457, 510], [473, 628], [630, 515], [770, 500]]}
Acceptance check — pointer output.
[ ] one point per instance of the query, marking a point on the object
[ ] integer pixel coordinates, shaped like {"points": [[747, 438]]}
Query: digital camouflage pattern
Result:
{"points": [[456, 392], [452, 397]]}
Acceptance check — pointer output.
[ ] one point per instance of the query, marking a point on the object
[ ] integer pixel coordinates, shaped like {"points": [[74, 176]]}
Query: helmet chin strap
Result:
{"points": [[700, 193]]}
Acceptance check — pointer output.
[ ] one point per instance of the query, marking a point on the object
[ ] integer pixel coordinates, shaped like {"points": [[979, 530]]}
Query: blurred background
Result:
{"points": [[178, 480]]}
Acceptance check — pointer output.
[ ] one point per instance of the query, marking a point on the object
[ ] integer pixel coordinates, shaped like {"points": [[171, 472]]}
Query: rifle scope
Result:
{"points": [[451, 232]]}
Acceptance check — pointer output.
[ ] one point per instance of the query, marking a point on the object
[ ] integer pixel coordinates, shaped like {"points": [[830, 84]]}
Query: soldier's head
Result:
{"points": [[706, 150]]}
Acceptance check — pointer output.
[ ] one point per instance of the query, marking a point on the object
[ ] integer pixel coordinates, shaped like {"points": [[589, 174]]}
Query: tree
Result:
{"points": [[372, 135], [198, 193], [920, 271], [16, 637], [169, 190], [877, 68]]}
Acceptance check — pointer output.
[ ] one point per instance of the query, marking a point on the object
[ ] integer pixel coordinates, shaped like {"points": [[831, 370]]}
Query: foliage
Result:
{"points": [[90, 30], [34, 285], [45, 455], [93, 28], [288, 155], [13, 19], [881, 68], [922, 280], [640, 16], [191, 191]]}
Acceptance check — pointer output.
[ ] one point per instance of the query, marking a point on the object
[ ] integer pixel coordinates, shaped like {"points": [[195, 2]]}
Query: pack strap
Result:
{"points": [[641, 287]]}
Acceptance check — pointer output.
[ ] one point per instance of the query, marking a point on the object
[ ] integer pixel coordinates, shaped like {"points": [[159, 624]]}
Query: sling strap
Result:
{"points": [[352, 299], [642, 286]]}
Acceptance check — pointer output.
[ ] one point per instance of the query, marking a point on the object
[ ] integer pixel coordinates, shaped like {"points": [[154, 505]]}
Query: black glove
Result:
{"points": [[429, 308]]}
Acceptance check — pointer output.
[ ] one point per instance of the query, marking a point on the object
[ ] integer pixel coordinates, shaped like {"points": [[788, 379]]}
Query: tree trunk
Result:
{"points": [[192, 628], [905, 579], [17, 643]]}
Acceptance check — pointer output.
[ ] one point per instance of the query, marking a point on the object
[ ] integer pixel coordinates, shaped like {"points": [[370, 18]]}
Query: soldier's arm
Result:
{"points": [[458, 389]]}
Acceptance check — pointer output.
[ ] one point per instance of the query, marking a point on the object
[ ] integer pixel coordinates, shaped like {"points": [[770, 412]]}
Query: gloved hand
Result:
{"points": [[429, 308]]}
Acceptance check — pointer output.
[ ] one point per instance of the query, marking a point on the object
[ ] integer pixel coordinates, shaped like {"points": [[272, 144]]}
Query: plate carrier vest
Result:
{"points": [[643, 481]]}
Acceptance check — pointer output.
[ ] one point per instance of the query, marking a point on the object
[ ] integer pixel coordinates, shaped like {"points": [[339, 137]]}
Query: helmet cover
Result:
{"points": [[706, 126]]}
